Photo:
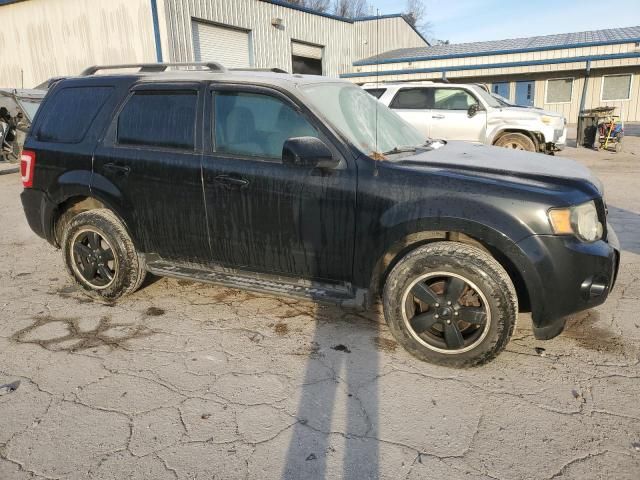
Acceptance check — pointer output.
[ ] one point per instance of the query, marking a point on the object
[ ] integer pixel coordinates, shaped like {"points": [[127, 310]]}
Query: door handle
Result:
{"points": [[119, 169], [232, 182], [437, 115]]}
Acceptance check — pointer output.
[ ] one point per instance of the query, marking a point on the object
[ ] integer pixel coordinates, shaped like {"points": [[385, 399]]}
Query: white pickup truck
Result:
{"points": [[453, 111]]}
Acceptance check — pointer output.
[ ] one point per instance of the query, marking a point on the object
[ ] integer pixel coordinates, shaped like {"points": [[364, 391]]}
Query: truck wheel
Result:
{"points": [[451, 304], [100, 255], [516, 141]]}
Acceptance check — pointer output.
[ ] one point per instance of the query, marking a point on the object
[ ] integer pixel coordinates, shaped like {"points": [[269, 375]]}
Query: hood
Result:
{"points": [[485, 160]]}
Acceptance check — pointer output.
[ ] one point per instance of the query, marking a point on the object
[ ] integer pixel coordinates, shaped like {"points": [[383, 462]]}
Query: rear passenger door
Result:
{"points": [[414, 105], [150, 163], [264, 215]]}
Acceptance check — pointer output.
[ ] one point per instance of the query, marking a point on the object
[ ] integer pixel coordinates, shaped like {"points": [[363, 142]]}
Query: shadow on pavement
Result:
{"points": [[335, 425], [627, 226]]}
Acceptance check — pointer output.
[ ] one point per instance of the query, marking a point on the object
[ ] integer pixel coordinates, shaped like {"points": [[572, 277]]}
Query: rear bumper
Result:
{"points": [[567, 276], [38, 210]]}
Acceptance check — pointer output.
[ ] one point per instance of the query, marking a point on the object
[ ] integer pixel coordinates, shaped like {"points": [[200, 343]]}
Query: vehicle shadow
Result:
{"points": [[338, 416], [627, 226]]}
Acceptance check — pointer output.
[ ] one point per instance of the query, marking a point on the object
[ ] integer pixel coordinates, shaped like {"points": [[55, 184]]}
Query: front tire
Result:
{"points": [[451, 304], [516, 141], [100, 256]]}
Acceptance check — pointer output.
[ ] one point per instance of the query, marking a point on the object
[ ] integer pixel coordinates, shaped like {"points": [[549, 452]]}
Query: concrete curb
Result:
{"points": [[9, 168]]}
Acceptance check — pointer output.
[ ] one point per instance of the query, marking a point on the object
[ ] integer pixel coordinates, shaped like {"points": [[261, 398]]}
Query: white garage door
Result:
{"points": [[300, 49], [228, 46]]}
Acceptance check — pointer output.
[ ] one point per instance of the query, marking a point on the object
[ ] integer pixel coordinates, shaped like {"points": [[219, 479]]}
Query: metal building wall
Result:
{"points": [[344, 42], [44, 38], [372, 37]]}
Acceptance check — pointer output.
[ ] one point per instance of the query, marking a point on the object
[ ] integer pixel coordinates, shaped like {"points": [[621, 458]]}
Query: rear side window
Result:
{"points": [[376, 92], [159, 119], [70, 113], [413, 99]]}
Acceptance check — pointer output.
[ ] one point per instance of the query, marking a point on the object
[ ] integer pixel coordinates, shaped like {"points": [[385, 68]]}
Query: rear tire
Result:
{"points": [[516, 141], [451, 304], [100, 256]]}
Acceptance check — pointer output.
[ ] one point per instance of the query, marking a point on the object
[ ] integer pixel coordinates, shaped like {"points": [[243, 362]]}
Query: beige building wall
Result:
{"points": [[40, 39]]}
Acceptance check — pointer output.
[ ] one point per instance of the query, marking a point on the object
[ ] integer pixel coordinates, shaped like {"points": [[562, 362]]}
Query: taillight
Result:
{"points": [[27, 167]]}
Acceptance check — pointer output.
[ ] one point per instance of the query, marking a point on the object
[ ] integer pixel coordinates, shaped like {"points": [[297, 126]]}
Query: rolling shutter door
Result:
{"points": [[305, 50], [221, 44]]}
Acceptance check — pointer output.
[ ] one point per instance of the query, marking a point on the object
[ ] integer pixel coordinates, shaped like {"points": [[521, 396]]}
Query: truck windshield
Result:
{"points": [[363, 120]]}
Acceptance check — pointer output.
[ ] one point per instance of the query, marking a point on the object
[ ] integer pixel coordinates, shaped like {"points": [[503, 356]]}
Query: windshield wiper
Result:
{"points": [[400, 150]]}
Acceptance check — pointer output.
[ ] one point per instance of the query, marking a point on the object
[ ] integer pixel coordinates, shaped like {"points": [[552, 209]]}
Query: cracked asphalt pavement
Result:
{"points": [[191, 381]]}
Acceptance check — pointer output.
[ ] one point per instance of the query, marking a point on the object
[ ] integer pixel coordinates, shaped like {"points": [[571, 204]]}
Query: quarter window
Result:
{"points": [[256, 125], [616, 87], [452, 99], [159, 119], [559, 90], [413, 99], [70, 113], [376, 92]]}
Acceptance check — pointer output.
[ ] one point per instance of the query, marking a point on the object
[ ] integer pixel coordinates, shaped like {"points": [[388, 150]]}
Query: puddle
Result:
{"points": [[67, 334]]}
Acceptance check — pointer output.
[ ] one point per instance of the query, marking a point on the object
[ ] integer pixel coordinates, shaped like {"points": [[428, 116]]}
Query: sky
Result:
{"points": [[462, 21]]}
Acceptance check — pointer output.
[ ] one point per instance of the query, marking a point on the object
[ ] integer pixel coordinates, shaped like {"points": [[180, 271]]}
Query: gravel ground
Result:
{"points": [[183, 380]]}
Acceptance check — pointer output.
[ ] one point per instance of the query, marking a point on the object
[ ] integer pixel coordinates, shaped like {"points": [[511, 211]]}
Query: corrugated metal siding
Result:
{"points": [[46, 38], [343, 42]]}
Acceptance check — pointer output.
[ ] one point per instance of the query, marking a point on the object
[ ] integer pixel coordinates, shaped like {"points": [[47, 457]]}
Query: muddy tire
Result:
{"points": [[516, 141], [451, 304], [100, 256]]}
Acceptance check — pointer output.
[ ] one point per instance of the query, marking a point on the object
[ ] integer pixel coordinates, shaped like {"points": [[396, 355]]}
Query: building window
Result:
{"points": [[306, 58], [616, 87], [559, 90]]}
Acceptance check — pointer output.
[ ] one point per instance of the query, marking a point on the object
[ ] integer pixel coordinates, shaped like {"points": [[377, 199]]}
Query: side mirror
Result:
{"points": [[473, 110], [307, 152]]}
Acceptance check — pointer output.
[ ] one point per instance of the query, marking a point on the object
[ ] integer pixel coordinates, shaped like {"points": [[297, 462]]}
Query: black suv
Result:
{"points": [[301, 185]]}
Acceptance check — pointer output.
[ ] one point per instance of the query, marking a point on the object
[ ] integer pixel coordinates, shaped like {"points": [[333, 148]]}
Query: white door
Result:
{"points": [[450, 119], [229, 46]]}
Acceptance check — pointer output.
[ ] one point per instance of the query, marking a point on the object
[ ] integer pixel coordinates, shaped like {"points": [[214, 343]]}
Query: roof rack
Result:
{"points": [[153, 67], [274, 70]]}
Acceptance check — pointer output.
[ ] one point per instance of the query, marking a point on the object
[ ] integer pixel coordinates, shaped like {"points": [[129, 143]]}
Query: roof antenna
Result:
{"points": [[377, 155]]}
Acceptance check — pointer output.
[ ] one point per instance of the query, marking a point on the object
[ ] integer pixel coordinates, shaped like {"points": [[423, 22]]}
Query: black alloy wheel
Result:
{"points": [[446, 312], [94, 259]]}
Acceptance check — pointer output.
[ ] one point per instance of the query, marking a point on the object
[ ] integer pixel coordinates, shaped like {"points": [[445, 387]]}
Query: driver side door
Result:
{"points": [[264, 215], [451, 119]]}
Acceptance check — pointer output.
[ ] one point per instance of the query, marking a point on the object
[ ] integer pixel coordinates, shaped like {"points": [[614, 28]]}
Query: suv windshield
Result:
{"points": [[363, 120]]}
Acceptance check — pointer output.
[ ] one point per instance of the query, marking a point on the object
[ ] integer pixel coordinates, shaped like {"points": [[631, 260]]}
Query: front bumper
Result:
{"points": [[567, 276]]}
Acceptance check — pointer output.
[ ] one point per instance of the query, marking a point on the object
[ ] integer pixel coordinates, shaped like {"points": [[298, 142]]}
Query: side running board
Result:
{"points": [[343, 295]]}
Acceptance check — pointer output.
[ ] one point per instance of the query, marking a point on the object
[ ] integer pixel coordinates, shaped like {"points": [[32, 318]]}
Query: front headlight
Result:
{"points": [[580, 220]]}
